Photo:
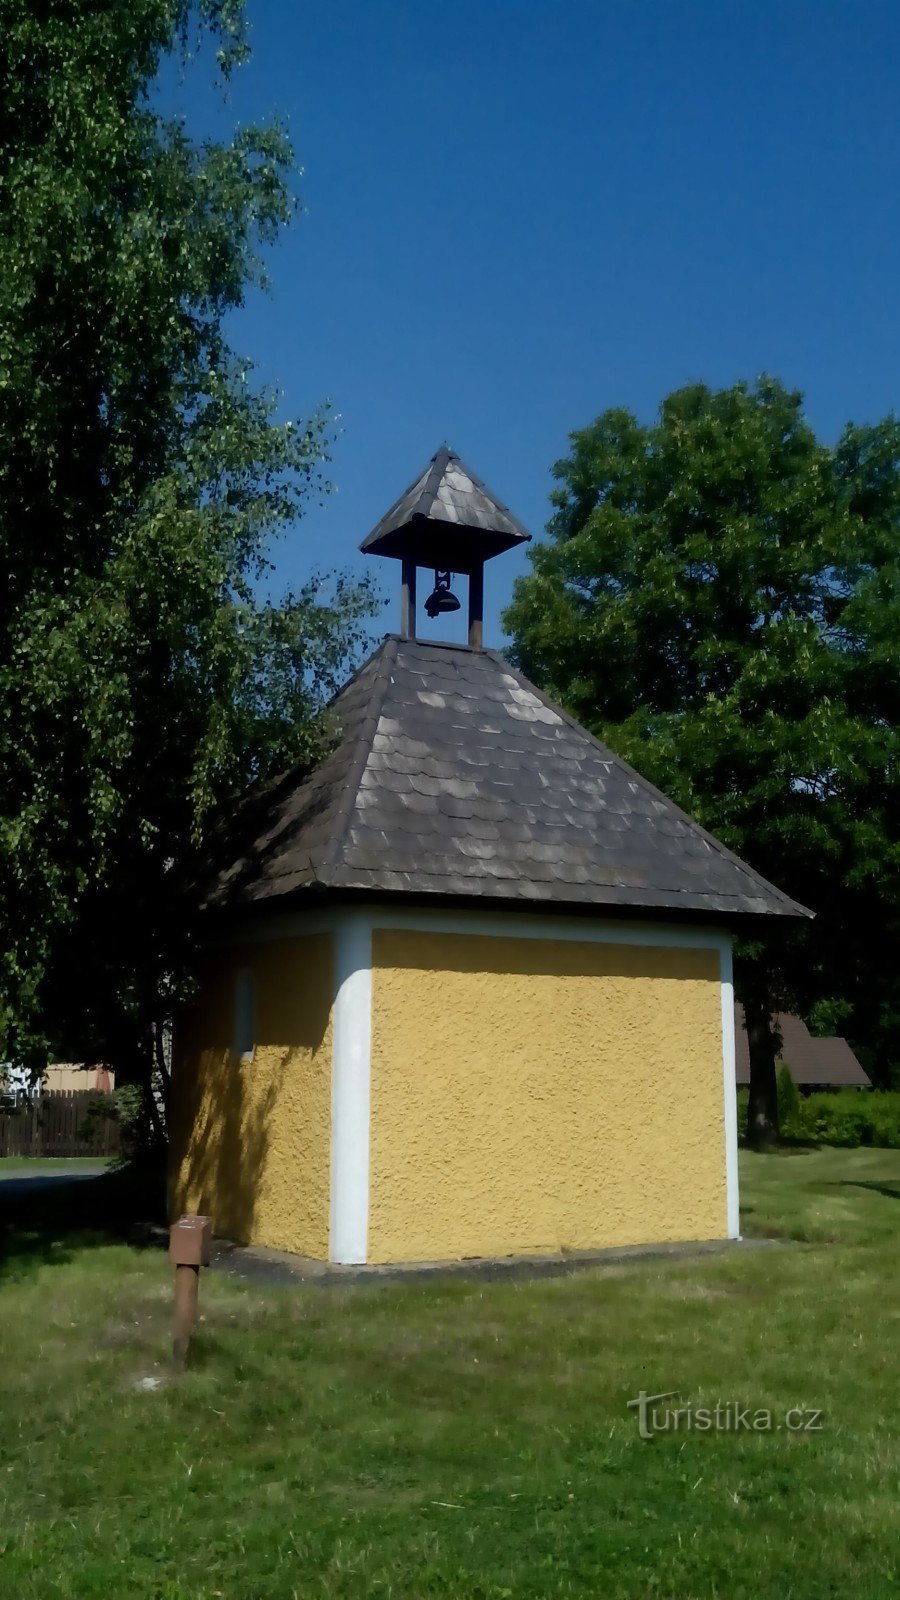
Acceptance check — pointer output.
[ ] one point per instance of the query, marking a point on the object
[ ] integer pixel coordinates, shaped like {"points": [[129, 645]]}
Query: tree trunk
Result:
{"points": [[157, 1127], [161, 1064], [762, 1040]]}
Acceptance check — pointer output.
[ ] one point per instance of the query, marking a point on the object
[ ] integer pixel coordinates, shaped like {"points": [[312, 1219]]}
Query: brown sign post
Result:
{"points": [[189, 1246]]}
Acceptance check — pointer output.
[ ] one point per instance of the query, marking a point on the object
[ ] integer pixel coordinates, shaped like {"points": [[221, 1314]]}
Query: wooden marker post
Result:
{"points": [[189, 1246]]}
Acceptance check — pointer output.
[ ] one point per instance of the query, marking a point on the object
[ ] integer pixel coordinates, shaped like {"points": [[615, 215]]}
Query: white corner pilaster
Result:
{"points": [[733, 1202], [350, 1088]]}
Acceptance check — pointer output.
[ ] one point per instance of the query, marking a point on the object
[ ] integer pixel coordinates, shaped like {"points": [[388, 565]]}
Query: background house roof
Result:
{"points": [[454, 776], [827, 1061]]}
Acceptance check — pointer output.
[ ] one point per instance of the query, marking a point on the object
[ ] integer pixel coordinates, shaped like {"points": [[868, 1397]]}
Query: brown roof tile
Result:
{"points": [[829, 1062]]}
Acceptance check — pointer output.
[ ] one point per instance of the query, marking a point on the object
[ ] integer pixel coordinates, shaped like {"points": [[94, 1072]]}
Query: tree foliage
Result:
{"points": [[144, 684], [719, 599]]}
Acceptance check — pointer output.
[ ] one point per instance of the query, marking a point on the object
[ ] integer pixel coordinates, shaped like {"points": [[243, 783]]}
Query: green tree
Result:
{"points": [[718, 601], [865, 620], [144, 682]]}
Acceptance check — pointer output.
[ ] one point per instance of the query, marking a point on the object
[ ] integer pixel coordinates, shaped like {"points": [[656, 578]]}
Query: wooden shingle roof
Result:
{"points": [[455, 777], [449, 505]]}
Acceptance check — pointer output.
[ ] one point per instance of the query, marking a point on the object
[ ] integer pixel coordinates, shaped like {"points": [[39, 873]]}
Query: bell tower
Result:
{"points": [[447, 520]]}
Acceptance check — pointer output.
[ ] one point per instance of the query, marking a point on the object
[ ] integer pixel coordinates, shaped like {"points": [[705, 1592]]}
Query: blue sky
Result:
{"points": [[520, 212]]}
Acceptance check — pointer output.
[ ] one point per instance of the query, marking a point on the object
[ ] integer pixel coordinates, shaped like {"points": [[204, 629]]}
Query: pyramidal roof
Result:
{"points": [[448, 492], [454, 776]]}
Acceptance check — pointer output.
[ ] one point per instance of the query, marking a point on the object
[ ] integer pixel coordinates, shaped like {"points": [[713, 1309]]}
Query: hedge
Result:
{"points": [[847, 1117]]}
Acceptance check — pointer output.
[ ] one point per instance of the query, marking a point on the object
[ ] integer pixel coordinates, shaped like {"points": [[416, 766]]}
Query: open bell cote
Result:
{"points": [[447, 520]]}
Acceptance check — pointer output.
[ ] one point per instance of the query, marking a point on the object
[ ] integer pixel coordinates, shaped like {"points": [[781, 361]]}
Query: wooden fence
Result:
{"points": [[71, 1123]]}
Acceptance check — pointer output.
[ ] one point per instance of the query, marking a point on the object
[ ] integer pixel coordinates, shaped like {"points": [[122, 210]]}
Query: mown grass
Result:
{"points": [[22, 1166], [461, 1438]]}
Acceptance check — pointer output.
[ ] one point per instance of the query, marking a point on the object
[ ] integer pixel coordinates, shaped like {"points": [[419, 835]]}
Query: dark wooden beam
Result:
{"points": [[476, 607], [408, 599]]}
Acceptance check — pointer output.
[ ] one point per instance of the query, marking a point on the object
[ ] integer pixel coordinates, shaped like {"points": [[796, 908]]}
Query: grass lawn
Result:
{"points": [[25, 1166], [462, 1439]]}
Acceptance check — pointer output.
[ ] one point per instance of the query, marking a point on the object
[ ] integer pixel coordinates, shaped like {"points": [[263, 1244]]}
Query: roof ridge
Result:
{"points": [[362, 739], [481, 486], [306, 766], [358, 671], [645, 784], [436, 469]]}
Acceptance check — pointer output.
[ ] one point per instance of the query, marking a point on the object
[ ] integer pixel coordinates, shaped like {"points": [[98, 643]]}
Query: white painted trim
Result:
{"points": [[491, 924], [520, 925], [271, 925], [243, 1043], [350, 1089], [732, 1190]]}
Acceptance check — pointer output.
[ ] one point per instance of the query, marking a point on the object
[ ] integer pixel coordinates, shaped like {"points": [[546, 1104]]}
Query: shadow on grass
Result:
{"points": [[48, 1225], [889, 1188], [786, 1146], [753, 1228]]}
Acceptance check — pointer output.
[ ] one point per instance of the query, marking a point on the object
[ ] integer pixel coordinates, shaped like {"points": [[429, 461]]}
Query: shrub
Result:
{"points": [[130, 1107], [788, 1100], [102, 1108], [846, 1117], [850, 1118]]}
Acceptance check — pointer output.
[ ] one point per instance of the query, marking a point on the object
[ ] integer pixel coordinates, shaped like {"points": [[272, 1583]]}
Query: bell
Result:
{"points": [[441, 598]]}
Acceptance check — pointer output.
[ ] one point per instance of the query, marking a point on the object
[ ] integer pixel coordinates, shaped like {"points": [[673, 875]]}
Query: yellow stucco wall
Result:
{"points": [[251, 1142], [541, 1095]]}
